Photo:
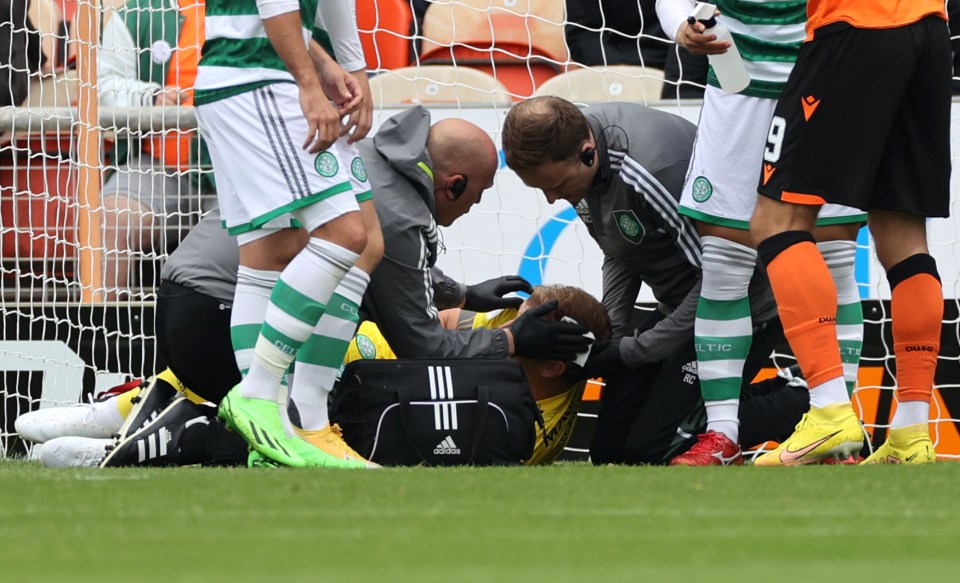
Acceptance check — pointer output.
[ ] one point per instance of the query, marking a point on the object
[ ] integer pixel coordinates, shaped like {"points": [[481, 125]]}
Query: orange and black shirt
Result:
{"points": [[869, 13]]}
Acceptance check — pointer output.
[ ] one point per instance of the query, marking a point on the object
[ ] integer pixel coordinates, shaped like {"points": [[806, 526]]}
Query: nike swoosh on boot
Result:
{"points": [[789, 457]]}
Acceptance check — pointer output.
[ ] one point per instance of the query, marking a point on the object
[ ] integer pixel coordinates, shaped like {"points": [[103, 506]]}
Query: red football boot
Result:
{"points": [[712, 449]]}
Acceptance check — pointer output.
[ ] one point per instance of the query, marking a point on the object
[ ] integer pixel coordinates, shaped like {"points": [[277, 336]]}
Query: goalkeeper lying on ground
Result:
{"points": [[189, 434], [185, 432]]}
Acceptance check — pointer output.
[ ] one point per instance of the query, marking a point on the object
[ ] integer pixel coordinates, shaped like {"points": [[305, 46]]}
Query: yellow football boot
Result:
{"points": [[906, 445], [831, 432], [330, 450]]}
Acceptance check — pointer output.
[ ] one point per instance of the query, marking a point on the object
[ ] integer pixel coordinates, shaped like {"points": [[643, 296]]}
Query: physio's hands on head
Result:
{"points": [[489, 295], [533, 337]]}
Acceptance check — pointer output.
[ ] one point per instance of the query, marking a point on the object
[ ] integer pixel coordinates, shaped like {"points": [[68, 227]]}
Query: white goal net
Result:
{"points": [[100, 177]]}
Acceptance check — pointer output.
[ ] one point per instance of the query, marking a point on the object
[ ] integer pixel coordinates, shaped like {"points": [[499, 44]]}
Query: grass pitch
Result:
{"points": [[561, 523]]}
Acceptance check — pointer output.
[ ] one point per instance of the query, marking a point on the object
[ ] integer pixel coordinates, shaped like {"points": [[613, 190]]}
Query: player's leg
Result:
{"points": [[917, 314], [193, 339], [322, 356], [269, 177], [319, 361], [254, 285], [621, 402], [711, 448], [719, 194], [809, 163], [914, 184], [808, 313], [672, 416], [100, 418], [837, 244]]}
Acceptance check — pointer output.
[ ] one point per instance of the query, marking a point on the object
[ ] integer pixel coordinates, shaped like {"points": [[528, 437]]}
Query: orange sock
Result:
{"points": [[807, 299], [917, 314]]}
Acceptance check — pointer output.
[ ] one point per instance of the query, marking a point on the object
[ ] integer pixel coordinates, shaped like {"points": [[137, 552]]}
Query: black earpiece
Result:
{"points": [[458, 187], [588, 156]]}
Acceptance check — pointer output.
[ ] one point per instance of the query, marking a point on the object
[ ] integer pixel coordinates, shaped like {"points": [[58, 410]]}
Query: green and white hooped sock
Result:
{"points": [[724, 330], [840, 258], [296, 305], [250, 302], [321, 356]]}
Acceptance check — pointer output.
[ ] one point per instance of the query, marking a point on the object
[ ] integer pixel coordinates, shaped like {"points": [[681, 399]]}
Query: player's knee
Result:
{"points": [[354, 238], [347, 231]]}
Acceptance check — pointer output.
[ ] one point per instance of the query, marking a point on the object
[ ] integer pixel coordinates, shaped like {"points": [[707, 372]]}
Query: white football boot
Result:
{"points": [[74, 452], [97, 419]]}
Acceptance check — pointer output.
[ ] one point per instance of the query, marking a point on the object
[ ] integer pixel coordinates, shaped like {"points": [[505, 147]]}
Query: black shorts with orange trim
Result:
{"points": [[864, 121]]}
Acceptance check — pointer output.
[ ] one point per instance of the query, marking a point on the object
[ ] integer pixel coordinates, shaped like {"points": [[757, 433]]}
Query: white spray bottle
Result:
{"points": [[728, 67]]}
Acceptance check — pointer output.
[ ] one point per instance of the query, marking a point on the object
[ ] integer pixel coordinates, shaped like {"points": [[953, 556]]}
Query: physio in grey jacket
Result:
{"points": [[624, 173], [422, 176]]}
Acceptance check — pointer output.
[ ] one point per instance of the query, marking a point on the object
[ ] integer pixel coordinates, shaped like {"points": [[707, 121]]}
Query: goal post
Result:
{"points": [[89, 209]]}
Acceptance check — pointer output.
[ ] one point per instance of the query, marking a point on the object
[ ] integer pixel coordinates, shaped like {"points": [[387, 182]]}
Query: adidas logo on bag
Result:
{"points": [[446, 447], [153, 445]]}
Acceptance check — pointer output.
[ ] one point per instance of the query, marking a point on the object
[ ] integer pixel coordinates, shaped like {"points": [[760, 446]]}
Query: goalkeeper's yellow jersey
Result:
{"points": [[559, 411]]}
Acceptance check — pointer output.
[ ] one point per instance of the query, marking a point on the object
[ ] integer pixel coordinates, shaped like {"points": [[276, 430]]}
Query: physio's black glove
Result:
{"points": [[488, 295], [547, 339], [604, 360]]}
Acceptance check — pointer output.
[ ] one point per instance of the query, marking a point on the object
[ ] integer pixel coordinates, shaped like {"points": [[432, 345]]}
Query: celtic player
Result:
{"points": [[720, 194], [271, 110]]}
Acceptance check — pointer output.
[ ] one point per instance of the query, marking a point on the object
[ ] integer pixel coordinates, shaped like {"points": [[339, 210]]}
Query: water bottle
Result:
{"points": [[728, 67]]}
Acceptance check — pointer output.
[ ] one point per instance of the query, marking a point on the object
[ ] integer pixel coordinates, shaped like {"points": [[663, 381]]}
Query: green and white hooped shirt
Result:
{"points": [[237, 55], [768, 34]]}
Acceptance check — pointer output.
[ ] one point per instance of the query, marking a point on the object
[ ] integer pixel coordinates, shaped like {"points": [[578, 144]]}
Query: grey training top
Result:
{"points": [[631, 211], [206, 260], [401, 296]]}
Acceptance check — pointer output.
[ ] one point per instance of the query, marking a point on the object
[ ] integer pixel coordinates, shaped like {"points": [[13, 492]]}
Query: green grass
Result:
{"points": [[562, 523]]}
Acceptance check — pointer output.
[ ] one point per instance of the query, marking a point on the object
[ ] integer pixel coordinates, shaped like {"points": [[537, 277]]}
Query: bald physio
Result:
{"points": [[465, 161], [425, 176]]}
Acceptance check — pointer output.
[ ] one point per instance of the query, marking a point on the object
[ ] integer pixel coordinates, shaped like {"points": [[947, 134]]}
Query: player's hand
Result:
{"points": [[489, 295], [604, 360], [361, 120], [534, 337], [323, 121], [341, 87], [692, 37]]}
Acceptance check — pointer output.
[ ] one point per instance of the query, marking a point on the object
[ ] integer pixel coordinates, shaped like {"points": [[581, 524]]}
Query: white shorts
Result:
{"points": [[724, 173], [264, 176]]}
